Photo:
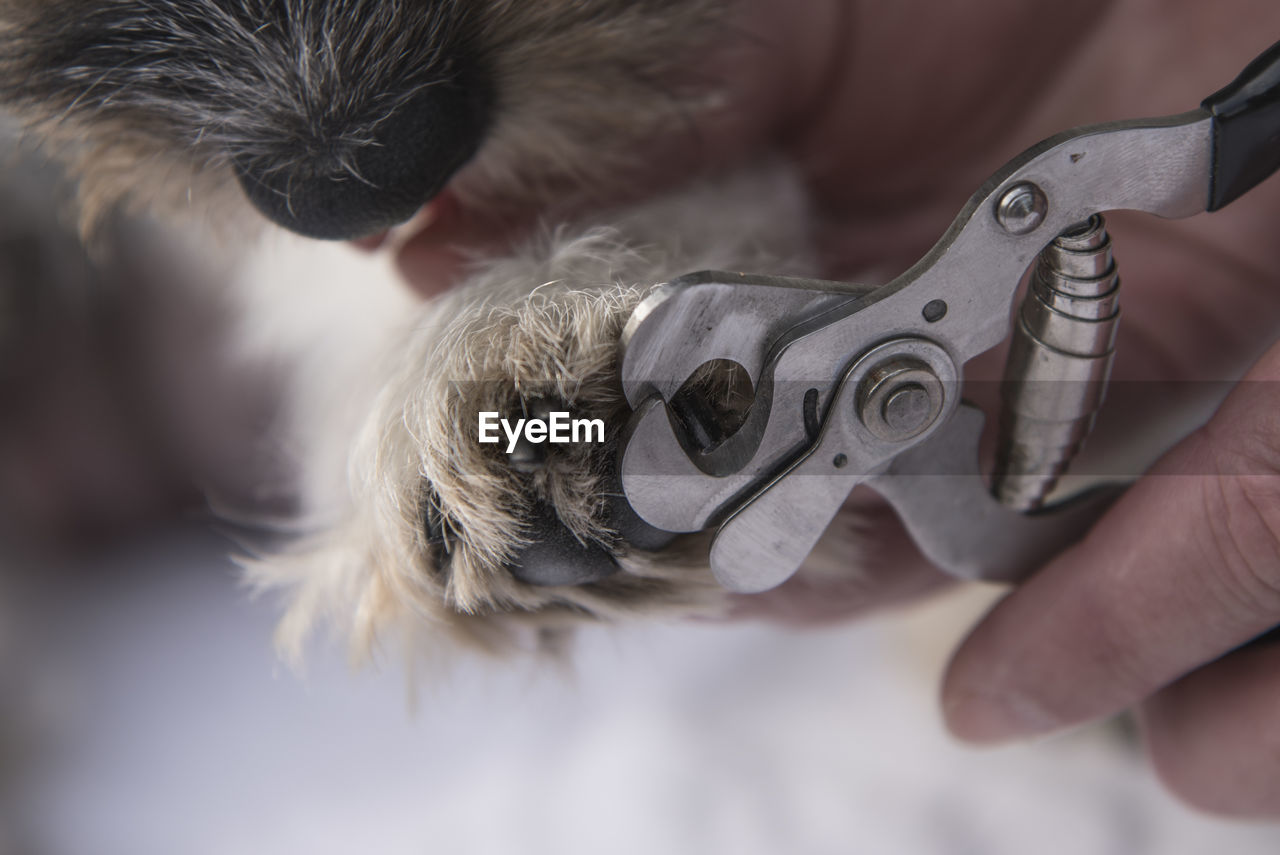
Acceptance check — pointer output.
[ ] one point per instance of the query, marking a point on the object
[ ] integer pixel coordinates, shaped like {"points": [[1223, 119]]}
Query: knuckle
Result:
{"points": [[1240, 507], [1245, 544], [1247, 426], [1244, 437]]}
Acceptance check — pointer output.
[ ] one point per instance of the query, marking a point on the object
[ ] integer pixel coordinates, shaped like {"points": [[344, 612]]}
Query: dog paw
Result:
{"points": [[491, 540], [494, 541]]}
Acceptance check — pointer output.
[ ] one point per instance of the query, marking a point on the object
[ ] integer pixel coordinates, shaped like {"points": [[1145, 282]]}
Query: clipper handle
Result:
{"points": [[1246, 129]]}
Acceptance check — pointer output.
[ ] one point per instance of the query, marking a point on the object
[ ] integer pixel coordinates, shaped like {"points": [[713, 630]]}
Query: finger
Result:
{"points": [[1214, 736], [1183, 568], [438, 247]]}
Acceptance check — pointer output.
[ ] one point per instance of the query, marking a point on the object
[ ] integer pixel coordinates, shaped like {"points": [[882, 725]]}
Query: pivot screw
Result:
{"points": [[1022, 208], [907, 409], [900, 399]]}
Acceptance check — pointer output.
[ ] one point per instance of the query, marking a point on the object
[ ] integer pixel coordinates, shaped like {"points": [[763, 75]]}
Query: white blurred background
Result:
{"points": [[146, 715]]}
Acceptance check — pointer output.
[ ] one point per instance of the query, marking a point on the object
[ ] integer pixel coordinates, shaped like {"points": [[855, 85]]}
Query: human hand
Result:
{"points": [[1187, 566]]}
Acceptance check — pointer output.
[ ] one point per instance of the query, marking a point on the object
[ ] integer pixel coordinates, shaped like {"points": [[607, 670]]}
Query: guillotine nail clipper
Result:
{"points": [[856, 385]]}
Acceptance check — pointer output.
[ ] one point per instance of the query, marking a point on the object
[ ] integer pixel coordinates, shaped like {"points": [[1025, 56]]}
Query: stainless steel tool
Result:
{"points": [[856, 385], [1059, 363]]}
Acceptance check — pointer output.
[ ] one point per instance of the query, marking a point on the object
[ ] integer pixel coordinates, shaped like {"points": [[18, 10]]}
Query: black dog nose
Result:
{"points": [[333, 189]]}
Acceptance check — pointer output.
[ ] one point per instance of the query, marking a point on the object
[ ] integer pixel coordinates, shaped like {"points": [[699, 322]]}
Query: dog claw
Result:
{"points": [[556, 557]]}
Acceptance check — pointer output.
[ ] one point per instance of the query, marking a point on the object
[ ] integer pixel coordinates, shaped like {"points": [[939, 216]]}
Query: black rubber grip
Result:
{"points": [[1246, 129]]}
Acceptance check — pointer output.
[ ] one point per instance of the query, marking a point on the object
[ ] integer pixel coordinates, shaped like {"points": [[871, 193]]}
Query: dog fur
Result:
{"points": [[412, 523], [150, 101], [541, 323]]}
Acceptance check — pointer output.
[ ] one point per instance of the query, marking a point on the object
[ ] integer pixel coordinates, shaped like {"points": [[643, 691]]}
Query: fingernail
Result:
{"points": [[986, 719]]}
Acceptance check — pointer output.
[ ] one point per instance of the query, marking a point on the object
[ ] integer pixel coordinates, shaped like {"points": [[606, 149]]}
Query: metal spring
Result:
{"points": [[1059, 362]]}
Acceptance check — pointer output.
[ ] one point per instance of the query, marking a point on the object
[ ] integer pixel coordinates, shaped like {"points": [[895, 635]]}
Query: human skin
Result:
{"points": [[896, 112]]}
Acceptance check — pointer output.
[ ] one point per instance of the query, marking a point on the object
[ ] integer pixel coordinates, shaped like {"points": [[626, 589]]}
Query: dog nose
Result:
{"points": [[326, 185]]}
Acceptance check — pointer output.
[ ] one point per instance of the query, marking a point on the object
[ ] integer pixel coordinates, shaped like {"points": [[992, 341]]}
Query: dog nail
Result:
{"points": [[432, 519], [556, 557], [527, 457]]}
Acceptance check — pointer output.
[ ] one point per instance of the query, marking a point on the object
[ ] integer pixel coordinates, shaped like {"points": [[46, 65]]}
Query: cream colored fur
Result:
{"points": [[387, 399]]}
